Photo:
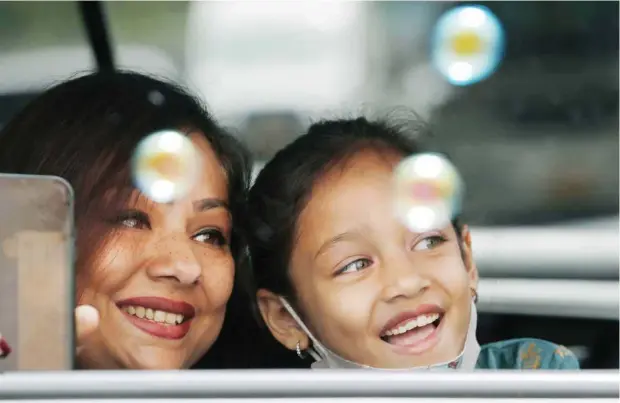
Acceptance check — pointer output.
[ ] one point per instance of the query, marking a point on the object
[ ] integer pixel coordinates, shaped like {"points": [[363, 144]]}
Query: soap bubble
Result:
{"points": [[429, 192], [467, 44], [165, 166]]}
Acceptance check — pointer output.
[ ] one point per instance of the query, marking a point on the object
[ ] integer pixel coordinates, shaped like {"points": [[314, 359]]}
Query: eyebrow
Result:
{"points": [[345, 236], [209, 203], [200, 206]]}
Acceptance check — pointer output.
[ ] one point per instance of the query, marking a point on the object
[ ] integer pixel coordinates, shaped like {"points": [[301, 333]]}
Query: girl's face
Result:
{"points": [[163, 277], [368, 288]]}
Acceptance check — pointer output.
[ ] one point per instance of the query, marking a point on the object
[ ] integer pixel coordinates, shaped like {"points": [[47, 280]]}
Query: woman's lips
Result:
{"points": [[171, 332], [159, 317]]}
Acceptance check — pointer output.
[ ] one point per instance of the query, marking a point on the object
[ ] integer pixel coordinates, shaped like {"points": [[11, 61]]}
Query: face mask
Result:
{"points": [[325, 358]]}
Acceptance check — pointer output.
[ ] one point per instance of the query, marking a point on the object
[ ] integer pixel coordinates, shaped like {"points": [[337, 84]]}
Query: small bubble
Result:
{"points": [[165, 166], [468, 44], [156, 98]]}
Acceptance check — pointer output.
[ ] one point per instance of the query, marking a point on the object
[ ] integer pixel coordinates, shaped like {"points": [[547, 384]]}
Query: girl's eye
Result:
{"points": [[211, 236], [430, 242], [133, 219], [356, 265]]}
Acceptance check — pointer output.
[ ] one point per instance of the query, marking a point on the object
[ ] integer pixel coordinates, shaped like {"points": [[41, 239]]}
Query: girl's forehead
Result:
{"points": [[365, 168], [349, 195]]}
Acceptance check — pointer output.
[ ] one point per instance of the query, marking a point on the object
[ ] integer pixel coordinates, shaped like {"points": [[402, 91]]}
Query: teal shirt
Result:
{"points": [[526, 354]]}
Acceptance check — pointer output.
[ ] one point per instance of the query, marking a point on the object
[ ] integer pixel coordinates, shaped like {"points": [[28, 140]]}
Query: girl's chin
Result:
{"points": [[148, 363]]}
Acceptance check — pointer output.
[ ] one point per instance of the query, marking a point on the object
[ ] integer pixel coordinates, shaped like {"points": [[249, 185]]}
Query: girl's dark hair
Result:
{"points": [[85, 130], [283, 187]]}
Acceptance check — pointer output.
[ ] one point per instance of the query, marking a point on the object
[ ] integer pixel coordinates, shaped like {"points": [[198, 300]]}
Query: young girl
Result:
{"points": [[340, 278]]}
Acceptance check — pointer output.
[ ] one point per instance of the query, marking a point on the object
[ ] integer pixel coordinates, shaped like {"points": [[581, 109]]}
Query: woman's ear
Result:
{"points": [[468, 258], [280, 322]]}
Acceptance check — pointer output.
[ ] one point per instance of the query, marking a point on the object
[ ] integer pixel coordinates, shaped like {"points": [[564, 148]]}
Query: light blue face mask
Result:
{"points": [[325, 358]]}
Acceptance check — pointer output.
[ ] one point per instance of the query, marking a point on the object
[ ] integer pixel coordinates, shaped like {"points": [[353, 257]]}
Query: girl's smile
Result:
{"points": [[414, 332]]}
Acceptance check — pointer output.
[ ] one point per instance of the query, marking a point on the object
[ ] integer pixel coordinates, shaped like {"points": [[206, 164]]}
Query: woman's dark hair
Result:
{"points": [[85, 130], [283, 187]]}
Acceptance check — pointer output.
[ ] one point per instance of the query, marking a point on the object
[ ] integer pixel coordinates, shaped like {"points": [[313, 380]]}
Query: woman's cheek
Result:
{"points": [[109, 271], [218, 277]]}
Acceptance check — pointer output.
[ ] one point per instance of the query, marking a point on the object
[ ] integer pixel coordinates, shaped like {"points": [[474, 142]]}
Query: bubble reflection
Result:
{"points": [[165, 166], [429, 192]]}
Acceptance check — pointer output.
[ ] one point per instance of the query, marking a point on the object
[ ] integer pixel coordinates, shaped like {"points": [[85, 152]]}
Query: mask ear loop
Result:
{"points": [[315, 344], [471, 349]]}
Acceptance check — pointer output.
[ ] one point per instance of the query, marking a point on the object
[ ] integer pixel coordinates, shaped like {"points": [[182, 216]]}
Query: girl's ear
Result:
{"points": [[280, 323], [468, 258]]}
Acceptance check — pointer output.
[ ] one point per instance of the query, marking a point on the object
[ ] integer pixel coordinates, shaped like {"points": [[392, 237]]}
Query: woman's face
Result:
{"points": [[162, 280], [367, 287]]}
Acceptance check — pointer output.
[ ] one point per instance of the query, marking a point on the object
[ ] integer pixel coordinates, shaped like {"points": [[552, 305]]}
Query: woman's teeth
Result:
{"points": [[418, 321], [167, 318]]}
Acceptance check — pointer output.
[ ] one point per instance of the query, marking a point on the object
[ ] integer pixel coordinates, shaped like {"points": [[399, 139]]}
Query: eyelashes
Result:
{"points": [[138, 220], [429, 242], [356, 265], [211, 236], [132, 219]]}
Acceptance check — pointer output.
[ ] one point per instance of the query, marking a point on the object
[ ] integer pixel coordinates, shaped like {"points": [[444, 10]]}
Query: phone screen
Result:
{"points": [[36, 273]]}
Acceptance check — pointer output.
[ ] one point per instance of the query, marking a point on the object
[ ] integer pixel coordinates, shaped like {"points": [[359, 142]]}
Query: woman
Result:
{"points": [[153, 280], [341, 278]]}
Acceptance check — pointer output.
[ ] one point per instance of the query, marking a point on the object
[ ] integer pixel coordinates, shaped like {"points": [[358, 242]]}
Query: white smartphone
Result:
{"points": [[36, 273]]}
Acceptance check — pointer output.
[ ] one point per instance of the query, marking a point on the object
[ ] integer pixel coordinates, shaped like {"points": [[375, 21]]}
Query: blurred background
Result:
{"points": [[537, 142]]}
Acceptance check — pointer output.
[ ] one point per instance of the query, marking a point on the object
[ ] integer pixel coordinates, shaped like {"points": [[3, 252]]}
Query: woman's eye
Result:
{"points": [[211, 236], [134, 220], [429, 242], [356, 265]]}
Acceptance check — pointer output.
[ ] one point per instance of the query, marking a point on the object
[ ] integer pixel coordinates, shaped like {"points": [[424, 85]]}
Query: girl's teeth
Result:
{"points": [[419, 321], [167, 318]]}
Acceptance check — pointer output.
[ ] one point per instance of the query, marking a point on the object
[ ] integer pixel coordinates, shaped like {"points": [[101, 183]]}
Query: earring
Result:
{"points": [[474, 294], [300, 354]]}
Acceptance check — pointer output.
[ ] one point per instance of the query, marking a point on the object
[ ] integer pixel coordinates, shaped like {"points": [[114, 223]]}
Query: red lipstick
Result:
{"points": [[158, 329]]}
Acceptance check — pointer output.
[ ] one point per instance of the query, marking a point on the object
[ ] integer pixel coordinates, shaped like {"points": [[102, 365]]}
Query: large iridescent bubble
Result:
{"points": [[165, 166], [428, 192]]}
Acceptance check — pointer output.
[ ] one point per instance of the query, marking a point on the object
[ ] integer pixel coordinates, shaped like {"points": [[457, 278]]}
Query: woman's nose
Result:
{"points": [[175, 261]]}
